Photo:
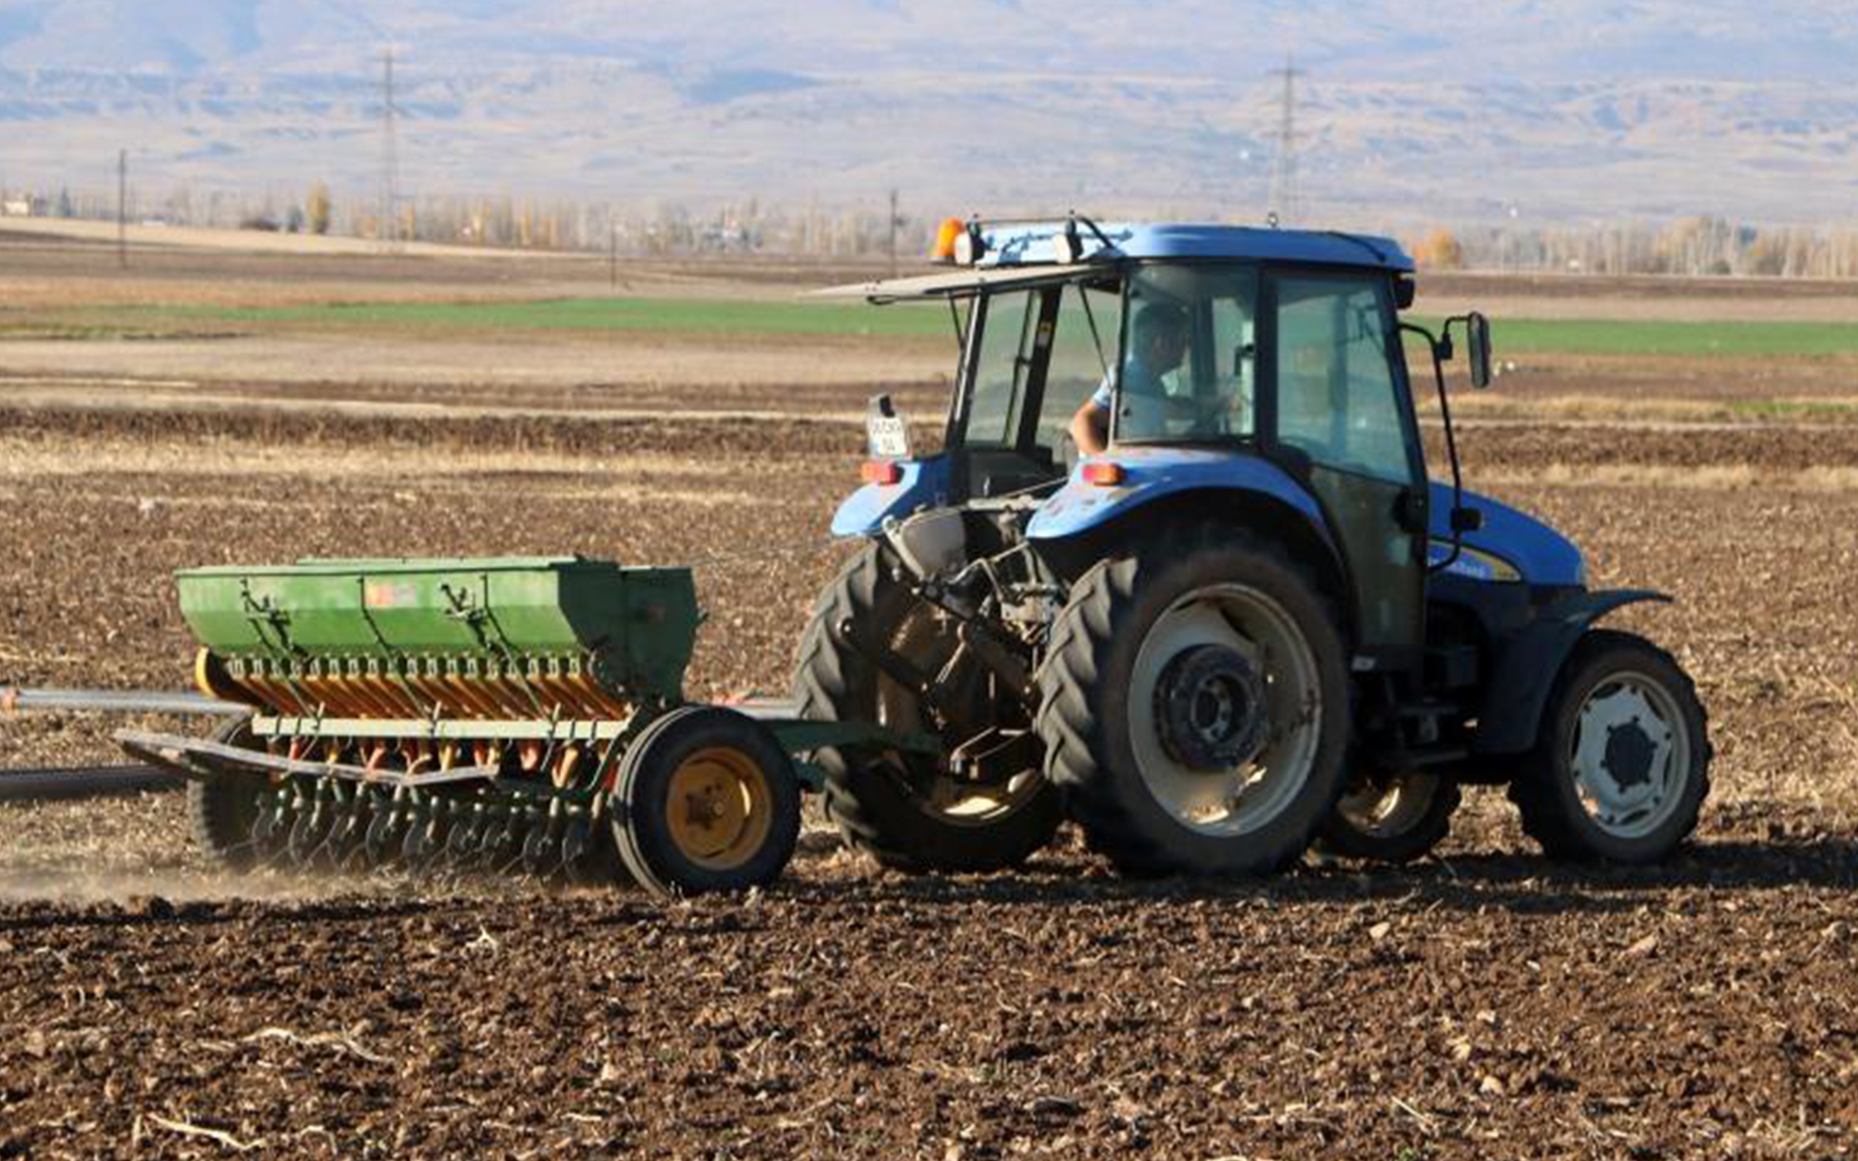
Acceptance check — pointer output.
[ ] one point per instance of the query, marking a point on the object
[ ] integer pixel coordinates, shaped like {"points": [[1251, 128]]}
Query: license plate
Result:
{"points": [[889, 437]]}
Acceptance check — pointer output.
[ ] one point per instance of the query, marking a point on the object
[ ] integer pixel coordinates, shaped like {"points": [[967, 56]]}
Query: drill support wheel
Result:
{"points": [[706, 801], [223, 811]]}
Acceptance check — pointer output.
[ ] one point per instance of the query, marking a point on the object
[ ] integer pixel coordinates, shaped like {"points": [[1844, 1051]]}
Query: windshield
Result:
{"points": [[1188, 367]]}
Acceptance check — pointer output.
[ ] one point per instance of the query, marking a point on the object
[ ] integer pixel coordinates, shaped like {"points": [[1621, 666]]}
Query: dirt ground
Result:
{"points": [[1485, 1003]]}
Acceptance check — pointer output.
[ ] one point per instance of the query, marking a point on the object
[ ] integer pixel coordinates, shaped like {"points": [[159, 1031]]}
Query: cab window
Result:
{"points": [[1003, 364], [1336, 397], [1189, 351], [1089, 321]]}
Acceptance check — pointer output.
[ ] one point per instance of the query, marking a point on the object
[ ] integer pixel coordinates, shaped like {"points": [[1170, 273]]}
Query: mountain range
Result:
{"points": [[1570, 111]]}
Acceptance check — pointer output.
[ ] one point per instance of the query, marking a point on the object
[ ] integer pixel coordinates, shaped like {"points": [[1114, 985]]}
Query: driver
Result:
{"points": [[1157, 344]]}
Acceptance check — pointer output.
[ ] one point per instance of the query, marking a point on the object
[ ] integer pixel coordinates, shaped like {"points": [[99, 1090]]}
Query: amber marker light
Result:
{"points": [[883, 473], [1103, 475], [944, 251]]}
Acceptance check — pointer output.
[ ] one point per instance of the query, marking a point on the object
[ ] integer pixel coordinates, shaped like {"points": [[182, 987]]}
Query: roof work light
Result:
{"points": [[945, 236]]}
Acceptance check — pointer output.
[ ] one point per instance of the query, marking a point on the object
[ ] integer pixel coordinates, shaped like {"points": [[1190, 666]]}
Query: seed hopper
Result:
{"points": [[517, 715]]}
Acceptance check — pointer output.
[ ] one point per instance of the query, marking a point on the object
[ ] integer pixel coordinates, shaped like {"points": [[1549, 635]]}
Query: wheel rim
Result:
{"points": [[927, 642], [1391, 806], [719, 809], [1251, 793], [1629, 755]]}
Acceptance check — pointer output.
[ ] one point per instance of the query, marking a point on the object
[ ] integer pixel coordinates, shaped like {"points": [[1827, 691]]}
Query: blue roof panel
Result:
{"points": [[1026, 243]]}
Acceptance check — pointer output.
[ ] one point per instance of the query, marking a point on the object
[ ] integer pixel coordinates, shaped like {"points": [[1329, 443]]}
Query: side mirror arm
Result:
{"points": [[1441, 349]]}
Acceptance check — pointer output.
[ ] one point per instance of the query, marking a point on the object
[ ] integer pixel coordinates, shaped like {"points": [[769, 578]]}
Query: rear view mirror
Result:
{"points": [[1477, 348]]}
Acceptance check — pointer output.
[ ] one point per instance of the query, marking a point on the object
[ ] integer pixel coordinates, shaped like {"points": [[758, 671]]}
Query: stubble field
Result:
{"points": [[1485, 1003]]}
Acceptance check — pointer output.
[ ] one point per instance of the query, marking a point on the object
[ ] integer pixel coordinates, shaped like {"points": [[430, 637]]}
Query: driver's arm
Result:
{"points": [[1090, 428]]}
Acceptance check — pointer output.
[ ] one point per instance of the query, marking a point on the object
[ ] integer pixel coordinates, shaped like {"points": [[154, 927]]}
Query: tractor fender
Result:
{"points": [[1185, 488], [1529, 662], [921, 484], [1148, 474]]}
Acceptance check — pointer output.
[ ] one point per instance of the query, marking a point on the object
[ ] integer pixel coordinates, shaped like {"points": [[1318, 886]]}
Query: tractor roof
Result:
{"points": [[1023, 252], [1021, 243]]}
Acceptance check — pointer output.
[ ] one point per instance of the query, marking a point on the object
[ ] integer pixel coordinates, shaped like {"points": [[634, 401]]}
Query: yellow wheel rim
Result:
{"points": [[719, 810]]}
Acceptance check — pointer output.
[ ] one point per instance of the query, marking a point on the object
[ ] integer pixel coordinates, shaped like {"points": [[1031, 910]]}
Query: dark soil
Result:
{"points": [[1485, 1004]]}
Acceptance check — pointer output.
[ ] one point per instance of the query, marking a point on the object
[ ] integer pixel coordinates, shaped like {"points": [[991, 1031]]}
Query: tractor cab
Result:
{"points": [[1261, 371]]}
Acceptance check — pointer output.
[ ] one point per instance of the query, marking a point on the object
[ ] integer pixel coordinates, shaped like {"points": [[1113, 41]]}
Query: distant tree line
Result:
{"points": [[1693, 246], [1684, 246]]}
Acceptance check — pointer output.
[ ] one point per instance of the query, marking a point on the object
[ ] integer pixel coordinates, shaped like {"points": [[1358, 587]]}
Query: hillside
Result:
{"points": [[1568, 112]]}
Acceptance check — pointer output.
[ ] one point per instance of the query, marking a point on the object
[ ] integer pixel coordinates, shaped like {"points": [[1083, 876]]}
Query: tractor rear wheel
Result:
{"points": [[223, 810], [1195, 705], [1621, 765], [909, 812], [1391, 818]]}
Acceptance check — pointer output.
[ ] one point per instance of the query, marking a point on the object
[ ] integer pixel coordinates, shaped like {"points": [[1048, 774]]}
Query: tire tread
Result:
{"points": [[1074, 734], [1545, 816]]}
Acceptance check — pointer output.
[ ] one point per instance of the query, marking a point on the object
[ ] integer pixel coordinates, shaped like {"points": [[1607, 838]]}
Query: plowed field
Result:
{"points": [[1486, 1003]]}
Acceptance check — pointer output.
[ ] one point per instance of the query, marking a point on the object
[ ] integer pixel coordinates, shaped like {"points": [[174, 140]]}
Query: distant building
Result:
{"points": [[23, 206]]}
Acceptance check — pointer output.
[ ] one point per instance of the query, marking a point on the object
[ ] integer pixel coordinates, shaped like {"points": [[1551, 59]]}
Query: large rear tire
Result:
{"points": [[1621, 765], [222, 810], [1195, 705], [908, 812]]}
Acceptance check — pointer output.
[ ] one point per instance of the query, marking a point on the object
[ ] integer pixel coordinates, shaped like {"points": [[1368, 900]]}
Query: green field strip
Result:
{"points": [[1510, 336], [671, 315]]}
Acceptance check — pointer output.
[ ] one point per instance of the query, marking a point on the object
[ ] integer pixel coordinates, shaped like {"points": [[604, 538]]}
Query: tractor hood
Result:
{"points": [[1509, 547]]}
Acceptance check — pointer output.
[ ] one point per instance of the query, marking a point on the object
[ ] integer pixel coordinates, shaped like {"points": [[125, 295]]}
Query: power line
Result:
{"points": [[891, 226], [122, 208], [1283, 198], [390, 155]]}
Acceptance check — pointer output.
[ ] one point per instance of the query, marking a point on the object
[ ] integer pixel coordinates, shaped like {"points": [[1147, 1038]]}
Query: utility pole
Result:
{"points": [[892, 225], [390, 154], [1283, 202], [122, 208], [612, 251]]}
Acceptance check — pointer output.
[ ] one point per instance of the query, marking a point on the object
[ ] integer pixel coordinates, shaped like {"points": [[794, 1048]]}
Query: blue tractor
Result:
{"points": [[1177, 571]]}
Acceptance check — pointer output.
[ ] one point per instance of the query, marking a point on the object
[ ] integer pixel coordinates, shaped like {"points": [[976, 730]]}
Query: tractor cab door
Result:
{"points": [[1343, 413], [1033, 356]]}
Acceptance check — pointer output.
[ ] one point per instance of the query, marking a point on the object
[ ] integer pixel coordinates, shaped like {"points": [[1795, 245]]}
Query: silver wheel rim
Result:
{"points": [[1626, 711], [1392, 807], [952, 800], [1249, 796]]}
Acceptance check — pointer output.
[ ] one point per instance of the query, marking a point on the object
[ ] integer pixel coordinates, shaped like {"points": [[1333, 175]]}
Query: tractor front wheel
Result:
{"points": [[1195, 705], [1621, 765]]}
